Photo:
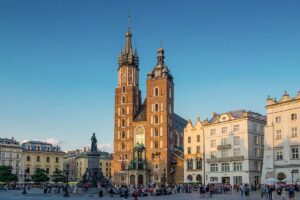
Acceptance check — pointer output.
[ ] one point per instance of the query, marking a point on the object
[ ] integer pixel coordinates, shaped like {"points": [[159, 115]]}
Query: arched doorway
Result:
{"points": [[199, 178], [190, 178], [141, 179], [132, 179]]}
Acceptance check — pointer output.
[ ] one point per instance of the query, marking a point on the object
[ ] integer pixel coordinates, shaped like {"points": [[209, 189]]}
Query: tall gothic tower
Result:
{"points": [[160, 103], [127, 103]]}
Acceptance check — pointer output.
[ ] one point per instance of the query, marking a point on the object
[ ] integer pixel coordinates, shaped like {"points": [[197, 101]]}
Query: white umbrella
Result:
{"points": [[271, 181]]}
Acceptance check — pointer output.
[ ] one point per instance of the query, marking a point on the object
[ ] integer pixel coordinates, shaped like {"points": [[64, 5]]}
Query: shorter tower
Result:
{"points": [[160, 102]]}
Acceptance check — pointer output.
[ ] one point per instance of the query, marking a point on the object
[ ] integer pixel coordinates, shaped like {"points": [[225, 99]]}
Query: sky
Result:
{"points": [[58, 60]]}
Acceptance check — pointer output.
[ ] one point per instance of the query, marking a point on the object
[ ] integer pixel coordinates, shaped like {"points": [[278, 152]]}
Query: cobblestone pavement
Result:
{"points": [[36, 194]]}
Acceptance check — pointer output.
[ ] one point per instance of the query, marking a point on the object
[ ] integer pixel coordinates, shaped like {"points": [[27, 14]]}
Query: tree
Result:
{"points": [[58, 176], [6, 174], [39, 176]]}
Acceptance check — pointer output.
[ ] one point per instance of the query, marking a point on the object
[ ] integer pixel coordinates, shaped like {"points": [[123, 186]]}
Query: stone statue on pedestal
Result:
{"points": [[93, 174]]}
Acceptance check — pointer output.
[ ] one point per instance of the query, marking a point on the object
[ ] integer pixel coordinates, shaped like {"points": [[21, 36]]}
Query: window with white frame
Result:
{"points": [[198, 138], [224, 129], [278, 135], [214, 168], [213, 143], [294, 116], [224, 153], [295, 152], [236, 140], [278, 119], [213, 179], [213, 154], [212, 131], [198, 149], [189, 151], [294, 132], [256, 152], [237, 152], [224, 141], [256, 140], [189, 140], [225, 167], [238, 166], [279, 154], [236, 128]]}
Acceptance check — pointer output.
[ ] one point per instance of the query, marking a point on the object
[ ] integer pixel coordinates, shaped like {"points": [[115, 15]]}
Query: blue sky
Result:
{"points": [[58, 60]]}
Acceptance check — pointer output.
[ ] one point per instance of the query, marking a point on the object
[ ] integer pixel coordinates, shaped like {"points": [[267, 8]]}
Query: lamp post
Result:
{"points": [[24, 186], [164, 177], [67, 183]]}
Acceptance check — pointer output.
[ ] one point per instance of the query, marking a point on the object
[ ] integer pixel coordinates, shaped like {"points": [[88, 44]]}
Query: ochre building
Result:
{"points": [[148, 135]]}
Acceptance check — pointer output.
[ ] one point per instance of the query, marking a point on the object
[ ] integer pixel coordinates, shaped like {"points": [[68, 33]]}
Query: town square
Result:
{"points": [[127, 99]]}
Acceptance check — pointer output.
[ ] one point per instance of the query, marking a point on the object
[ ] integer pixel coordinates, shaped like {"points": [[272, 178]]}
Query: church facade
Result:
{"points": [[148, 135]]}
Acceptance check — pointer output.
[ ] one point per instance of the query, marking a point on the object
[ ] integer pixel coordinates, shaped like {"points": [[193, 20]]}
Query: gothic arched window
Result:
{"points": [[123, 146], [198, 138], [156, 133], [123, 135], [156, 119], [123, 99], [156, 91], [123, 111], [123, 123], [156, 144], [156, 107]]}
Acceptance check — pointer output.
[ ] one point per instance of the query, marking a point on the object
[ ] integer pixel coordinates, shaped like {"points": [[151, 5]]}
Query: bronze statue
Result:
{"points": [[94, 143]]}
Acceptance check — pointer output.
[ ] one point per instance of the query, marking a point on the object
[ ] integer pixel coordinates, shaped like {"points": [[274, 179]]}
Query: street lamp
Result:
{"points": [[24, 186], [67, 183], [164, 177]]}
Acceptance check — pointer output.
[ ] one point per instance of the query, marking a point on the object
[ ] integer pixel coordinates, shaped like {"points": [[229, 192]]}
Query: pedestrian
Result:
{"points": [[242, 190], [135, 195], [291, 193], [262, 192]]}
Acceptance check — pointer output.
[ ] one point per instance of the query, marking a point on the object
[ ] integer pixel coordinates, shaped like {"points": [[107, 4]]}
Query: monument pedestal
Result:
{"points": [[94, 170]]}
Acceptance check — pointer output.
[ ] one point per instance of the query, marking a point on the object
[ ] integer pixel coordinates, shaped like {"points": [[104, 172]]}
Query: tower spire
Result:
{"points": [[128, 21]]}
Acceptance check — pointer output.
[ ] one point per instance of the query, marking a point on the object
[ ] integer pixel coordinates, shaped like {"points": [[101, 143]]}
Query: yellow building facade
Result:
{"points": [[41, 155]]}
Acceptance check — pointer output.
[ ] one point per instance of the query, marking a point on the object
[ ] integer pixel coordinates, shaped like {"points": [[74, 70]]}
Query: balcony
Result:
{"points": [[225, 159], [224, 146]]}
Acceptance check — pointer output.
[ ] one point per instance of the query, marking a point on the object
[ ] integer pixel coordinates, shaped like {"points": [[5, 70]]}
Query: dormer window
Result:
{"points": [[38, 148], [28, 146]]}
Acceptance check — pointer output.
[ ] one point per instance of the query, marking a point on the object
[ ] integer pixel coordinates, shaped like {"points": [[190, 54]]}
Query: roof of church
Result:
{"points": [[179, 123], [142, 113]]}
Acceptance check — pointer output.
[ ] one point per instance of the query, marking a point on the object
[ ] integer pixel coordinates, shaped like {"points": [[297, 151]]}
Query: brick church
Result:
{"points": [[148, 135]]}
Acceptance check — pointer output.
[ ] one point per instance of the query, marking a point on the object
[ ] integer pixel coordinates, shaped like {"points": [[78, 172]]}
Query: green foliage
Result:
{"points": [[39, 176], [58, 176], [6, 174]]}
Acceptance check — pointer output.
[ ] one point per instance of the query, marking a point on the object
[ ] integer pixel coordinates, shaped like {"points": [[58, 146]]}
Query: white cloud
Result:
{"points": [[53, 141], [109, 147]]}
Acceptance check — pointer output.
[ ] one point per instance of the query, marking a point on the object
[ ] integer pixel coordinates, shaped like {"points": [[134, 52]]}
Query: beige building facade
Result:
{"points": [[11, 155], [231, 147], [41, 155], [194, 152], [282, 139]]}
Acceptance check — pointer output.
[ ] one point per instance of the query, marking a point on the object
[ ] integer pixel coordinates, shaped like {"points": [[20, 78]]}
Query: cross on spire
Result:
{"points": [[128, 21]]}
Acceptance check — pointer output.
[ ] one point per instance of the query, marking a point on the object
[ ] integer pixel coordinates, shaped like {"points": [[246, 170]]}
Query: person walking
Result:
{"points": [[291, 192], [262, 192], [242, 190]]}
